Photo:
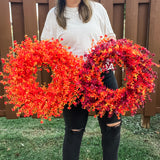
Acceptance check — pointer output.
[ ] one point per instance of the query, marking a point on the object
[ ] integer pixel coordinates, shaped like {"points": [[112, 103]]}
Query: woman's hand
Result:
{"points": [[112, 37]]}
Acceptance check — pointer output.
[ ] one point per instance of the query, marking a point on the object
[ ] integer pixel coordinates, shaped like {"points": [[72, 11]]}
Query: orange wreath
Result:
{"points": [[20, 77]]}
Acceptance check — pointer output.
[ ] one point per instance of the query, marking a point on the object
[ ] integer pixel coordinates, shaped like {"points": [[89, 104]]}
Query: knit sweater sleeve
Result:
{"points": [[50, 28], [105, 22]]}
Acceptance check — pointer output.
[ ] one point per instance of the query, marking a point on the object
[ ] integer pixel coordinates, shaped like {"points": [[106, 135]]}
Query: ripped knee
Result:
{"points": [[116, 124], [113, 129], [77, 130]]}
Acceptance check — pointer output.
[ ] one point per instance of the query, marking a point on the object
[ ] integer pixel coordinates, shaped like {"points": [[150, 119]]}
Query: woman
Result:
{"points": [[78, 22]]}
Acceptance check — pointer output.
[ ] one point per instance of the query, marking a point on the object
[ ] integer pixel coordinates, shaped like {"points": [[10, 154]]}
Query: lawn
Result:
{"points": [[28, 139]]}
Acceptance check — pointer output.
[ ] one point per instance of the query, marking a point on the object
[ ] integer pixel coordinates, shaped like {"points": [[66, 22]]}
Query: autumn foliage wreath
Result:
{"points": [[139, 77], [20, 77], [73, 77]]}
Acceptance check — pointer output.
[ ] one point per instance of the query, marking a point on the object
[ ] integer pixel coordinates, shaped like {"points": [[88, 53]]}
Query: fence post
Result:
{"points": [[5, 42], [52, 3], [108, 5], [118, 26], [145, 121], [131, 20], [154, 40], [18, 21], [131, 33], [30, 17]]}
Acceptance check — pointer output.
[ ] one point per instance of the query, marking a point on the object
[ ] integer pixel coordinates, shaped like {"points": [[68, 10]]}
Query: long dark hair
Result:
{"points": [[84, 9]]}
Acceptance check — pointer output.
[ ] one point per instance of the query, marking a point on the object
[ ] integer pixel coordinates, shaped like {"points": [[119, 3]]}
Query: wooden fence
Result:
{"points": [[138, 20]]}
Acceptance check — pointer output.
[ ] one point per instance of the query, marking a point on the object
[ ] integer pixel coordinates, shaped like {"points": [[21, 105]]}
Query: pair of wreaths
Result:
{"points": [[72, 77]]}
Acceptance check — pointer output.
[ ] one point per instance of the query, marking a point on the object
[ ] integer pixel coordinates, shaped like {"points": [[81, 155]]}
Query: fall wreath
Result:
{"points": [[139, 77], [20, 77]]}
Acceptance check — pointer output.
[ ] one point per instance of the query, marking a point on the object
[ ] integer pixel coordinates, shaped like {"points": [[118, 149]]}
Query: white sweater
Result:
{"points": [[78, 35]]}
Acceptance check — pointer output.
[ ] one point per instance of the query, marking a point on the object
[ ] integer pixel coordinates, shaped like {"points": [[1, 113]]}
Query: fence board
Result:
{"points": [[42, 12], [52, 3], [5, 43], [16, 1], [30, 24], [5, 28], [131, 19], [30, 17], [154, 46], [119, 1], [143, 24], [42, 1], [109, 7], [2, 106], [157, 109], [118, 20], [18, 21], [144, 1]]}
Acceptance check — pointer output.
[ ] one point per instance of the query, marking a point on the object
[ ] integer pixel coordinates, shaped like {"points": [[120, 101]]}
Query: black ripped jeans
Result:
{"points": [[76, 118]]}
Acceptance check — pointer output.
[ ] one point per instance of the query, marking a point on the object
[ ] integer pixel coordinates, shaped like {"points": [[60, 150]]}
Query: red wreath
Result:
{"points": [[20, 77], [139, 77]]}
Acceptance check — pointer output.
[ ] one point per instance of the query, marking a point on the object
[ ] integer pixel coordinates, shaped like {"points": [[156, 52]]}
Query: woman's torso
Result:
{"points": [[79, 35]]}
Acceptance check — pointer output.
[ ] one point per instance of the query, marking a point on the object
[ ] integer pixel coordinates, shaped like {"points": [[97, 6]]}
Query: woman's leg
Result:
{"points": [[110, 127], [75, 123]]}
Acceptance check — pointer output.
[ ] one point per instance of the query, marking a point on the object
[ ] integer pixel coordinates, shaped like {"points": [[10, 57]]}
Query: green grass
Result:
{"points": [[27, 139]]}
